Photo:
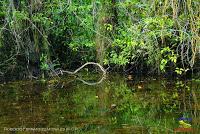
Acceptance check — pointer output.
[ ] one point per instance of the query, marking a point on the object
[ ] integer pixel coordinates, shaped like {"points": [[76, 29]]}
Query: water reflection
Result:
{"points": [[114, 106]]}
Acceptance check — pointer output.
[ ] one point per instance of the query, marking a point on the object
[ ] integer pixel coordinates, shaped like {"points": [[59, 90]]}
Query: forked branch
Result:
{"points": [[88, 63]]}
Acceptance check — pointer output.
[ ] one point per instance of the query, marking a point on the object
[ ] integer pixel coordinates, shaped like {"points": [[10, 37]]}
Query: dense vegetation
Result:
{"points": [[154, 36]]}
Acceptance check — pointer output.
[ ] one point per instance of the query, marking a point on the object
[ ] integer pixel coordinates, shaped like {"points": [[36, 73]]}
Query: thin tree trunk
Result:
{"points": [[107, 16]]}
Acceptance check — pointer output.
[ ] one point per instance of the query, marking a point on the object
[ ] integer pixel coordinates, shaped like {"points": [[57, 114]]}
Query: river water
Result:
{"points": [[116, 105]]}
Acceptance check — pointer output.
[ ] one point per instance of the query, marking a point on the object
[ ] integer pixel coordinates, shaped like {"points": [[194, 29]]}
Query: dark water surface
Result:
{"points": [[117, 105]]}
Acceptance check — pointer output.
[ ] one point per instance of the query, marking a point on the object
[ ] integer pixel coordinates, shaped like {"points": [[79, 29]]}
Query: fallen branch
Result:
{"points": [[88, 63], [60, 71]]}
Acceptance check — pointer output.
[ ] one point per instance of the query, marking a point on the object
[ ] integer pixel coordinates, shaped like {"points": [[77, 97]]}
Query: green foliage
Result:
{"points": [[181, 70], [43, 63], [20, 15], [168, 56], [129, 32]]}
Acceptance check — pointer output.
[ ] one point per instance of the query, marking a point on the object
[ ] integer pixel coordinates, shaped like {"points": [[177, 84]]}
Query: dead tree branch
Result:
{"points": [[88, 63], [80, 79]]}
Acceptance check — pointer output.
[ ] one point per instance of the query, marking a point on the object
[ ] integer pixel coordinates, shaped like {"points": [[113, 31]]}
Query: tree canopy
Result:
{"points": [[155, 36]]}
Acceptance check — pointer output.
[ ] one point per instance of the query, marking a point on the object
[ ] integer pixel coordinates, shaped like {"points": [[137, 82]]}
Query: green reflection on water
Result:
{"points": [[114, 106]]}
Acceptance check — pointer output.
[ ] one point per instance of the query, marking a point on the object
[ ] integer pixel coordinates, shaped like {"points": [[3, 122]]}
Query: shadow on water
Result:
{"points": [[114, 106]]}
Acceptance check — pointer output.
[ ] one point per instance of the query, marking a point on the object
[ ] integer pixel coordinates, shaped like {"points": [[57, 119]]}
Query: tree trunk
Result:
{"points": [[107, 16]]}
